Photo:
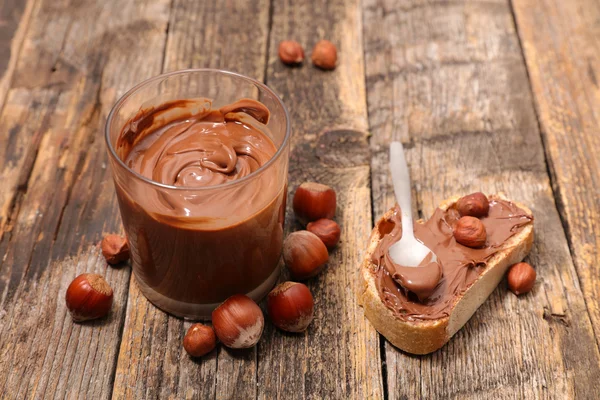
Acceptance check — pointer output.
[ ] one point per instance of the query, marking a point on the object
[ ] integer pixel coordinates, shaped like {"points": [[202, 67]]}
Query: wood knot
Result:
{"points": [[562, 319]]}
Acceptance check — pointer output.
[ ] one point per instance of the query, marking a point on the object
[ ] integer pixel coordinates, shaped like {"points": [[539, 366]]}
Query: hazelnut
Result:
{"points": [[89, 296], [313, 201], [304, 254], [521, 278], [291, 52], [474, 205], [470, 232], [327, 230], [199, 340], [291, 306], [324, 55], [238, 322], [115, 249]]}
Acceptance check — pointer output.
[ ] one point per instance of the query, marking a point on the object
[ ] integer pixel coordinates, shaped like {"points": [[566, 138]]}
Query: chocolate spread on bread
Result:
{"points": [[414, 293]]}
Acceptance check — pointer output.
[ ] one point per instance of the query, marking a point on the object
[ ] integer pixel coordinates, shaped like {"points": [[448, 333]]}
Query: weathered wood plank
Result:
{"points": [[338, 357], [63, 86], [448, 79], [14, 21], [212, 34], [561, 46]]}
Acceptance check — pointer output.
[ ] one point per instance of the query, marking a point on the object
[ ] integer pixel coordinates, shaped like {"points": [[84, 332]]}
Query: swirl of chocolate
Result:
{"points": [[186, 143]]}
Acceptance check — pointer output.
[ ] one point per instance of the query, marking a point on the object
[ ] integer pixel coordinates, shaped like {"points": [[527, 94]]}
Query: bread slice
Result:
{"points": [[426, 336]]}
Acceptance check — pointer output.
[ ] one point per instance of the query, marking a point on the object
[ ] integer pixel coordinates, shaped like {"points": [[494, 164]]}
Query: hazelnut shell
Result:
{"points": [[304, 254], [199, 340], [238, 322], [88, 297], [313, 201], [327, 230], [470, 232], [521, 278], [291, 306], [324, 55], [474, 205], [290, 52], [115, 249]]}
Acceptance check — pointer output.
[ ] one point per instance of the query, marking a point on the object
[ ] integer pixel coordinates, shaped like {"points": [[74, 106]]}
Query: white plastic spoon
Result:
{"points": [[408, 251]]}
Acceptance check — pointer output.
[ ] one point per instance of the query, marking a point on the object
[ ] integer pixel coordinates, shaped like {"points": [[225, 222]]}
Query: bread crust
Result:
{"points": [[426, 336]]}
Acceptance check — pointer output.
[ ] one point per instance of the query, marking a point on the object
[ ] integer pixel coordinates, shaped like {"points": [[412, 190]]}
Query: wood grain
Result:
{"points": [[280, 366], [14, 22], [338, 357], [448, 79], [560, 43], [63, 85], [152, 362]]}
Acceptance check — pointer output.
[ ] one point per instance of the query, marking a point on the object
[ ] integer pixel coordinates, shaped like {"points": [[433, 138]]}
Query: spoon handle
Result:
{"points": [[401, 181]]}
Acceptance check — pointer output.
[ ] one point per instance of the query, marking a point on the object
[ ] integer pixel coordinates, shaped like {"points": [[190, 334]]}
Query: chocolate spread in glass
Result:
{"points": [[180, 250], [460, 265]]}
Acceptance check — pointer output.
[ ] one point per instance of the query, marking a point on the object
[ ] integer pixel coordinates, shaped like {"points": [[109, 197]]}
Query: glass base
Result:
{"points": [[201, 311]]}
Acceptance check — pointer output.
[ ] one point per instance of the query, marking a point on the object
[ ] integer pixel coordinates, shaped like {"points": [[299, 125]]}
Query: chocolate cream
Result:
{"points": [[200, 247], [429, 291], [187, 143]]}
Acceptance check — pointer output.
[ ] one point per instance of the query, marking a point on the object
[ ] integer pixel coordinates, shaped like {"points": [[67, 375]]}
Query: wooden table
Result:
{"points": [[491, 95]]}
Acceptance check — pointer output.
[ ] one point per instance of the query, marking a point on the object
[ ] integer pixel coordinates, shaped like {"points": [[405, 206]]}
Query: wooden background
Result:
{"points": [[492, 95]]}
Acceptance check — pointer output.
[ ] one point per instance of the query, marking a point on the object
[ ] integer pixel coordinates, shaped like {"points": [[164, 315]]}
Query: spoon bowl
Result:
{"points": [[408, 251]]}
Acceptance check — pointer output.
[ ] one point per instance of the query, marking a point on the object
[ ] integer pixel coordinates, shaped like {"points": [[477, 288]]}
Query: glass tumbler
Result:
{"points": [[218, 240]]}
